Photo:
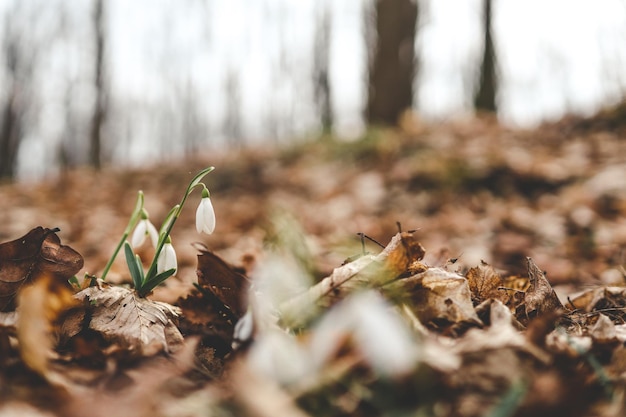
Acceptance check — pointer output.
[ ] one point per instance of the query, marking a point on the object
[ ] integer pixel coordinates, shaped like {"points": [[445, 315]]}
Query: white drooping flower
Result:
{"points": [[377, 332], [205, 215], [167, 257], [144, 228]]}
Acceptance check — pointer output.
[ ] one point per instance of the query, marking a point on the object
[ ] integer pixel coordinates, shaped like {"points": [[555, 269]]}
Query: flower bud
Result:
{"points": [[167, 257], [144, 228], [205, 215]]}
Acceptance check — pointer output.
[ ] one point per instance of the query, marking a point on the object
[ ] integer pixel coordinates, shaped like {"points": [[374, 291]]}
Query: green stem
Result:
{"points": [[168, 224], [134, 218]]}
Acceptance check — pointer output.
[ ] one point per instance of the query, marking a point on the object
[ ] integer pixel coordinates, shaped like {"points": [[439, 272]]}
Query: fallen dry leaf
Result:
{"points": [[228, 285], [604, 331], [540, 297], [201, 317], [40, 306], [24, 259], [611, 301], [401, 254], [133, 322], [484, 282], [212, 312], [437, 296], [146, 389]]}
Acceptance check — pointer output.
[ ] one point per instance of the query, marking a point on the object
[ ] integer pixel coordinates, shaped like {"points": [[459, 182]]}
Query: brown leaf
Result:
{"points": [[40, 306], [603, 331], [36, 253], [540, 297], [610, 300], [410, 252], [223, 281], [133, 322], [201, 317], [398, 258], [437, 295], [484, 282], [213, 312], [147, 389]]}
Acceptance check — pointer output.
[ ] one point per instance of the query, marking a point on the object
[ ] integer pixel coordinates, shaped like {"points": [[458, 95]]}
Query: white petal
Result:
{"points": [[380, 335], [280, 357], [199, 224], [153, 233], [139, 235], [167, 259], [205, 217]]}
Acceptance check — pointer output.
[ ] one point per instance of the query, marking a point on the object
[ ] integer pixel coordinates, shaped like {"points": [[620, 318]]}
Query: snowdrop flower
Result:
{"points": [[244, 330], [144, 228], [205, 215], [381, 336], [280, 357], [167, 257]]}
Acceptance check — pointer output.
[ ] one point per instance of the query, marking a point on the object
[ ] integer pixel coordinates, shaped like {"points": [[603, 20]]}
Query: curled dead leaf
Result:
{"points": [[540, 297], [37, 253], [368, 271], [226, 283], [40, 306], [133, 322], [221, 300]]}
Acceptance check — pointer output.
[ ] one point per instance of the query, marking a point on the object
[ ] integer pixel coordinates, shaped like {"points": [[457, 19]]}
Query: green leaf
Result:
{"points": [[74, 281], [134, 218], [149, 285], [168, 219], [196, 180], [136, 271], [139, 268]]}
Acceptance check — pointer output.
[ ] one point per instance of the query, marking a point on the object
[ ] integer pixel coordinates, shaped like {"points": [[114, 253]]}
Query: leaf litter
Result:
{"points": [[356, 331]]}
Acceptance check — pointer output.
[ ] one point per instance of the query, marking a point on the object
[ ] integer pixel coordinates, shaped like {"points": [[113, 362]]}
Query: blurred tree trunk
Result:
{"points": [[19, 70], [100, 106], [485, 98], [232, 120], [11, 121], [321, 64], [392, 61]]}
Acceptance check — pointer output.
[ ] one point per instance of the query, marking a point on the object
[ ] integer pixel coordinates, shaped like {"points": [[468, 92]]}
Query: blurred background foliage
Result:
{"points": [[96, 83]]}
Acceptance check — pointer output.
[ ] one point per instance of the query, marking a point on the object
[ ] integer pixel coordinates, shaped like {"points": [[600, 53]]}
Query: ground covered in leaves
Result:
{"points": [[460, 269]]}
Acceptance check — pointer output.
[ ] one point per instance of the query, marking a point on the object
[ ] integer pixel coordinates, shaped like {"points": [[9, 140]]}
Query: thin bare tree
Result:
{"points": [[321, 68], [100, 106], [232, 125]]}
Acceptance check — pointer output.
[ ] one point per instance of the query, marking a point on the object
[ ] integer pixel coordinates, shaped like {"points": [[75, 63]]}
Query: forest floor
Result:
{"points": [[488, 204]]}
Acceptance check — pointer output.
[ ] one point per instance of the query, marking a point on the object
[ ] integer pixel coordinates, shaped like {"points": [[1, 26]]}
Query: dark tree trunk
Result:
{"points": [[9, 138], [392, 67], [485, 98], [11, 116], [100, 107]]}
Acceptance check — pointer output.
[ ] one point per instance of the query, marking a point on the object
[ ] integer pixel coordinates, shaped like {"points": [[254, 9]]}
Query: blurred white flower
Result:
{"points": [[167, 258], [280, 357], [382, 337], [205, 215], [244, 330], [144, 228]]}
